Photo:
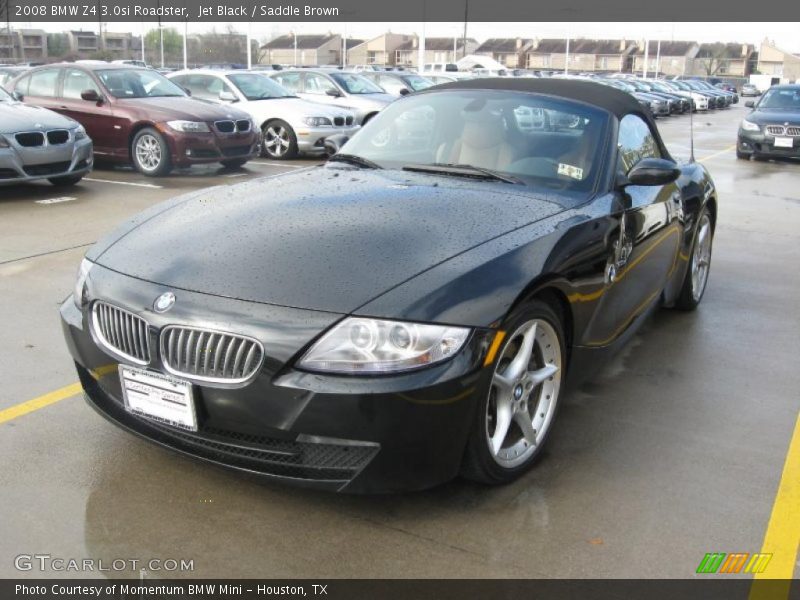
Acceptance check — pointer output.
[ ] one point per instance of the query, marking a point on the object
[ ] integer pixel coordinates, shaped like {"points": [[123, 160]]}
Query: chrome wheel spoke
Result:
{"points": [[525, 423], [520, 362], [501, 425], [541, 375]]}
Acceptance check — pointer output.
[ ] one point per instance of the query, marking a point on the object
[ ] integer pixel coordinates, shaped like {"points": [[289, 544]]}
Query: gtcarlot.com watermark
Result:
{"points": [[56, 564]]}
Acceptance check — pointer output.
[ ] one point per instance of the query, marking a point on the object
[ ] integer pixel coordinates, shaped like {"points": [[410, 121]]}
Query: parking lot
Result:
{"points": [[675, 450]]}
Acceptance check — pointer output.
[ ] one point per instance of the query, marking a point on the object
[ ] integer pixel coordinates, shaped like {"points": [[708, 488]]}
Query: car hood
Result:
{"points": [[15, 117], [321, 238], [777, 116], [180, 108]]}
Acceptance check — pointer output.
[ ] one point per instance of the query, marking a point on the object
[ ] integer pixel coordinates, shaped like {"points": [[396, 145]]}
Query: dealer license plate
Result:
{"points": [[159, 397], [784, 142]]}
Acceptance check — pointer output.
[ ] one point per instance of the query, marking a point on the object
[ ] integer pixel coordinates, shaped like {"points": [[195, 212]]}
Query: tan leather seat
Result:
{"points": [[482, 143]]}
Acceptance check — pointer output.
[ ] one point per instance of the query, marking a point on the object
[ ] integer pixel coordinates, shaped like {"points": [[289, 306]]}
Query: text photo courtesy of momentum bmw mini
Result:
{"points": [[422, 300]]}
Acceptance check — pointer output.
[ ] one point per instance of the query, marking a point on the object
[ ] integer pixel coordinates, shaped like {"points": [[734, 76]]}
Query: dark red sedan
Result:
{"points": [[137, 115]]}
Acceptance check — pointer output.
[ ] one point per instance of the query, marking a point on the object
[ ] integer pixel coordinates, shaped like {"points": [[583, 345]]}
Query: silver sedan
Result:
{"points": [[36, 143]]}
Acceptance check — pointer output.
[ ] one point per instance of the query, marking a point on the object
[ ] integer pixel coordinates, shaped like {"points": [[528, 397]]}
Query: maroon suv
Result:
{"points": [[137, 115]]}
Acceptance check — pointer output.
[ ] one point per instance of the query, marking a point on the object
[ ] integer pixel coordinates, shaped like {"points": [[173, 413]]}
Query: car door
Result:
{"points": [[95, 116], [646, 245]]}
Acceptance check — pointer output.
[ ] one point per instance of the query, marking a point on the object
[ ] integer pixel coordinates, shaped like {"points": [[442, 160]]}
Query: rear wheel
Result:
{"points": [[694, 283], [516, 413], [279, 140], [65, 181], [150, 153]]}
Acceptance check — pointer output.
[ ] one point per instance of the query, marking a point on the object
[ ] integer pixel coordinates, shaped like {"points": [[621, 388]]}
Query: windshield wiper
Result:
{"points": [[463, 171], [353, 159]]}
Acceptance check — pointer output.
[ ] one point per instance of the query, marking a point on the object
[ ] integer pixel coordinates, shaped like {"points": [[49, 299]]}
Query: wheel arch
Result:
{"points": [[547, 289]]}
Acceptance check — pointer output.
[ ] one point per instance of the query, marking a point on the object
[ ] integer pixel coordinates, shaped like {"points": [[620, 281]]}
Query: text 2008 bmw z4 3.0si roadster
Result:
{"points": [[407, 312]]}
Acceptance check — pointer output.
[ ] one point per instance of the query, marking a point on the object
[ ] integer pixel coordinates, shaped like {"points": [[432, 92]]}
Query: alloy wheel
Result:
{"points": [[523, 393], [276, 141], [701, 257], [148, 152]]}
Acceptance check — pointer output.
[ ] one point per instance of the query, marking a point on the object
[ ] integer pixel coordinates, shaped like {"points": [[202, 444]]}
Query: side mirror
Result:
{"points": [[91, 96], [404, 91], [653, 171], [18, 96], [749, 104], [227, 96], [334, 143], [333, 93]]}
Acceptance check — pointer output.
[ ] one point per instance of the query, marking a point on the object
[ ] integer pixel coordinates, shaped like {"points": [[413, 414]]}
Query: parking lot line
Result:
{"points": [[278, 165], [782, 539], [151, 186], [723, 151], [56, 200], [29, 406]]}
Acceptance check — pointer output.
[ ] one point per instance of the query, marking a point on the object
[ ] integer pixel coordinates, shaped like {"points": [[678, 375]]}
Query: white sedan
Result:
{"points": [[290, 125]]}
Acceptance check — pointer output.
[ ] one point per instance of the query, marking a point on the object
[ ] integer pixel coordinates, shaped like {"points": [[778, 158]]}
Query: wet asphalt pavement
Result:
{"points": [[675, 450]]}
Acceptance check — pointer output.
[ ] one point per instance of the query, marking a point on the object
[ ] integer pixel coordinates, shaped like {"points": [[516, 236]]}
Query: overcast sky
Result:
{"points": [[783, 34]]}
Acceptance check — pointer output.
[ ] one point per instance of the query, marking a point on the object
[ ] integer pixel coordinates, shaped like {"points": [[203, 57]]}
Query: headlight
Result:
{"points": [[317, 121], [188, 126], [361, 345], [80, 133], [79, 293], [750, 126]]}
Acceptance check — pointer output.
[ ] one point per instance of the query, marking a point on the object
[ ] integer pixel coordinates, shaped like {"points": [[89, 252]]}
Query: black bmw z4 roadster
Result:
{"points": [[412, 310]]}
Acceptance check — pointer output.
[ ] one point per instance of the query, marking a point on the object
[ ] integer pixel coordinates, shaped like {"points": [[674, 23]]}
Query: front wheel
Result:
{"points": [[694, 283], [517, 411], [279, 140], [150, 153]]}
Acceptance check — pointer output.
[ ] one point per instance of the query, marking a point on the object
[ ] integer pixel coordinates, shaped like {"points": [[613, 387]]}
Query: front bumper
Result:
{"points": [[760, 144], [19, 164], [311, 140], [198, 148], [365, 434]]}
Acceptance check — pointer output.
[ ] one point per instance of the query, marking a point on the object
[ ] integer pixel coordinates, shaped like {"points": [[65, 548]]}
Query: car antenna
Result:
{"points": [[691, 133]]}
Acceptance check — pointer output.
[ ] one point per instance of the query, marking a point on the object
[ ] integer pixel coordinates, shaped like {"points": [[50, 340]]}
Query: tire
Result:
{"points": [[66, 180], [234, 163], [695, 282], [150, 153], [367, 118], [492, 457], [278, 140], [742, 155]]}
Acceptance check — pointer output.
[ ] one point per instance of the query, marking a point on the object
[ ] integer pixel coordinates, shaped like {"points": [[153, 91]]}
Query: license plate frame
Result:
{"points": [[162, 398]]}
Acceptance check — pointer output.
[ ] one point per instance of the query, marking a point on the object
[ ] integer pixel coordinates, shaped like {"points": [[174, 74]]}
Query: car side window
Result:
{"points": [[291, 81], [317, 84], [43, 83], [636, 141], [76, 82], [390, 84]]}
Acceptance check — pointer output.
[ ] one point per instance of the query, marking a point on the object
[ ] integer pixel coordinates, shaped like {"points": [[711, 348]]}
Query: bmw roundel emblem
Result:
{"points": [[164, 302]]}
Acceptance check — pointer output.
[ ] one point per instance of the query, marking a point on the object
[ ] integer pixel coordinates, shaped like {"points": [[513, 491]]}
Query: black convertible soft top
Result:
{"points": [[615, 101]]}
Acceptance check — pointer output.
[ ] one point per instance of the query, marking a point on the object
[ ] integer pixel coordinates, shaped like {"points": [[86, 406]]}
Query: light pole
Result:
{"points": [[464, 37], [295, 48], [566, 59]]}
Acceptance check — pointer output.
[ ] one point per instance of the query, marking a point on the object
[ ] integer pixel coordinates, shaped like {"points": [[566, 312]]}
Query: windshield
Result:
{"points": [[787, 99], [5, 96], [356, 84], [540, 140], [138, 83], [418, 83], [259, 87]]}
